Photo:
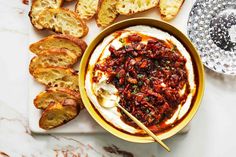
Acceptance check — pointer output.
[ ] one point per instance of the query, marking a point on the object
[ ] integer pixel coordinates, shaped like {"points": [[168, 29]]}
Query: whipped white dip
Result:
{"points": [[102, 52]]}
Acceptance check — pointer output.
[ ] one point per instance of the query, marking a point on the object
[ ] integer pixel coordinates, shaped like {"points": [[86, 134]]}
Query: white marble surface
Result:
{"points": [[212, 131]]}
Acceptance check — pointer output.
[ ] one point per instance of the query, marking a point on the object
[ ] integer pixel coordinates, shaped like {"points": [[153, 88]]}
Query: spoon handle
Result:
{"points": [[141, 125]]}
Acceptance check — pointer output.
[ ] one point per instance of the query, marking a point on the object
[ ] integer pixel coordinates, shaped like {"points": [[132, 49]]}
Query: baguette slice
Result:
{"points": [[63, 21], [60, 41], [53, 58], [128, 7], [170, 8], [40, 5], [56, 95], [57, 114], [57, 77], [86, 9], [106, 13]]}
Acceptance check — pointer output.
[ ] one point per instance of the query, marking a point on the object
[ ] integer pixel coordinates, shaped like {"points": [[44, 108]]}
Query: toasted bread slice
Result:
{"points": [[170, 8], [86, 9], [57, 114], [53, 58], [40, 5], [57, 77], [60, 41], [106, 13], [56, 95], [63, 21], [128, 7]]}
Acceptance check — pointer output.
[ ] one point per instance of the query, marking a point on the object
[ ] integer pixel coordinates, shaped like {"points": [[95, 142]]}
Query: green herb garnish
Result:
{"points": [[147, 98], [126, 46], [140, 83], [139, 76], [174, 48], [118, 75], [135, 91], [156, 63], [134, 86], [121, 40], [147, 110]]}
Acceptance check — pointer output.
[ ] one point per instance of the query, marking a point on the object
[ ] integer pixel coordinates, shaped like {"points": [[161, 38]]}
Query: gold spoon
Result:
{"points": [[114, 103]]}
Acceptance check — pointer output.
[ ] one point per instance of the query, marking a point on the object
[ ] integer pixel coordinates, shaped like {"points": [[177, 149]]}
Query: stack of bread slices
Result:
{"points": [[48, 14], [106, 11], [53, 67]]}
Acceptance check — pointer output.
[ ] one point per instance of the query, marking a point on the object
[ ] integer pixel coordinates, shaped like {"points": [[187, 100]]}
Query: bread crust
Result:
{"points": [[37, 46], [86, 17], [31, 16], [76, 40], [49, 119], [100, 3], [167, 16], [42, 76], [32, 61], [55, 11], [48, 93], [37, 61], [135, 12]]}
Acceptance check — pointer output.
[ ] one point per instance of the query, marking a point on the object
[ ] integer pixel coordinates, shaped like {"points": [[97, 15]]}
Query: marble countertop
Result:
{"points": [[212, 131]]}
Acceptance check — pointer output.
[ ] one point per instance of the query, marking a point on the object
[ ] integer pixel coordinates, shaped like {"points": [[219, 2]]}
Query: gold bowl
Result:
{"points": [[165, 27]]}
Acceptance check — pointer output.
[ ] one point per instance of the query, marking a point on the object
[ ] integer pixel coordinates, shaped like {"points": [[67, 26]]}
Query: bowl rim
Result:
{"points": [[153, 23]]}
